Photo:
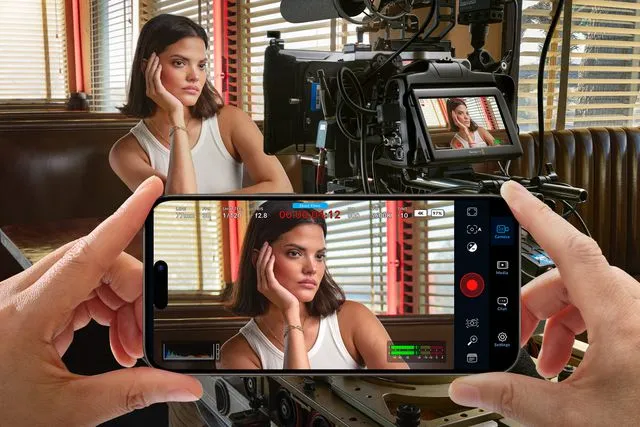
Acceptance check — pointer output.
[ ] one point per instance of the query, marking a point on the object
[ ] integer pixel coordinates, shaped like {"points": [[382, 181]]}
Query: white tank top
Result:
{"points": [[477, 141], [328, 352], [216, 170]]}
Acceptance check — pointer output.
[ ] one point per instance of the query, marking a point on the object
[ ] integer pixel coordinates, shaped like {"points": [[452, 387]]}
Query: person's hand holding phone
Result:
{"points": [[159, 94], [41, 308], [583, 292], [269, 286]]}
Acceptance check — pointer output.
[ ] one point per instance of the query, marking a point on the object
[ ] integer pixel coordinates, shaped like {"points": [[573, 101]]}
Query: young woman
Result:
{"points": [[300, 318], [186, 136], [468, 133]]}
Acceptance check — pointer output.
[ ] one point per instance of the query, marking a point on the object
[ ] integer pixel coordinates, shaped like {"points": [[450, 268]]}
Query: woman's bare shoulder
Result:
{"points": [[229, 118], [486, 135], [351, 306], [128, 146], [237, 342], [236, 353], [231, 111], [352, 312], [483, 130], [358, 324]]}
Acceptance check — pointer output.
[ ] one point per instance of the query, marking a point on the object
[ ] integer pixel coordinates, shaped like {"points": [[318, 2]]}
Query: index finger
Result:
{"points": [[72, 279], [584, 270]]}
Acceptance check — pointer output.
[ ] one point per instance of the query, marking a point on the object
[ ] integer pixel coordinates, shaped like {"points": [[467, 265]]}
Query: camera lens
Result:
{"points": [[160, 267]]}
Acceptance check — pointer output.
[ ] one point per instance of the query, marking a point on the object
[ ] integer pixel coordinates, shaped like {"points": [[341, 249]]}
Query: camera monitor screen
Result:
{"points": [[466, 125], [463, 123], [332, 284]]}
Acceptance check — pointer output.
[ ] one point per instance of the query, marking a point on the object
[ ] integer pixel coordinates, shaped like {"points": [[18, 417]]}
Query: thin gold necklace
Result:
{"points": [[275, 336], [160, 133]]}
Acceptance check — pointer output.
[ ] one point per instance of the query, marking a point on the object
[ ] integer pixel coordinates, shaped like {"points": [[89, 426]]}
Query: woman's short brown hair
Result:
{"points": [[452, 104], [158, 33], [244, 299]]}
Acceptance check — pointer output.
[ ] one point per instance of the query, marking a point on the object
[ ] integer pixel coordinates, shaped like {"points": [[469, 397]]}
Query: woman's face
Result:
{"points": [[462, 115], [184, 69], [300, 260]]}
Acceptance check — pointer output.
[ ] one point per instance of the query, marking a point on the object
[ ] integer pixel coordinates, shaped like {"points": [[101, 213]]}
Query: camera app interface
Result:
{"points": [[439, 278], [464, 123]]}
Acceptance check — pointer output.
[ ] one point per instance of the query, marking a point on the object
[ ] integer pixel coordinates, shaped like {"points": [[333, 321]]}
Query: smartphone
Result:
{"points": [[390, 284]]}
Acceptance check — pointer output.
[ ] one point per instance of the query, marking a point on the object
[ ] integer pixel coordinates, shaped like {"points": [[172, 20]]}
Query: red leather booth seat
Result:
{"points": [[605, 162]]}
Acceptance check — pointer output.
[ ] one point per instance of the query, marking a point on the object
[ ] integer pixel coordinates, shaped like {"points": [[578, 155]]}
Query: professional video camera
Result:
{"points": [[403, 115]]}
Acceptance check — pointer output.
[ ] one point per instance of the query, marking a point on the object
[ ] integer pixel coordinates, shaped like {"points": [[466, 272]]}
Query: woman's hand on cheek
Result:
{"points": [[156, 90], [456, 121], [269, 286], [464, 130]]}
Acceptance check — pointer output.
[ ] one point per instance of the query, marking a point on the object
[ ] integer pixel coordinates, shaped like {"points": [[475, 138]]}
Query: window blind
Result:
{"points": [[357, 251], [114, 30], [256, 17], [33, 57], [601, 70], [495, 111], [434, 113], [604, 64], [191, 246], [536, 18], [435, 254]]}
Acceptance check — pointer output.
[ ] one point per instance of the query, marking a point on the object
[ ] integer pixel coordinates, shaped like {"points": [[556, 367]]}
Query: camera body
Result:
{"points": [[306, 89]]}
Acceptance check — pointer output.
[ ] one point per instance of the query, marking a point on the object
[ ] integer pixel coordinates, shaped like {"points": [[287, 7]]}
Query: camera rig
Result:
{"points": [[364, 108]]}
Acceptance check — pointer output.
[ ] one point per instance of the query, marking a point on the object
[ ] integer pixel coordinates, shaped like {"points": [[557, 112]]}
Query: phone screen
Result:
{"points": [[377, 284]]}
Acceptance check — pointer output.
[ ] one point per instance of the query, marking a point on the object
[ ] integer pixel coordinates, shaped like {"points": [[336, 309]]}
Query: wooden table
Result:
{"points": [[29, 243]]}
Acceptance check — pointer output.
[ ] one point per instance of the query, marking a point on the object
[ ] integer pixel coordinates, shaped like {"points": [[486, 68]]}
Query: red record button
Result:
{"points": [[472, 285]]}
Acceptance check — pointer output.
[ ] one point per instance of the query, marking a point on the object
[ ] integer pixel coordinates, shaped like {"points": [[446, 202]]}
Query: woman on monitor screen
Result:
{"points": [[186, 136], [468, 133], [300, 318]]}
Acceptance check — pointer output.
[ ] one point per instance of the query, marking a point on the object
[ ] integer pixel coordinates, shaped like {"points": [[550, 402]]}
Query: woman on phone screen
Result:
{"points": [[300, 318]]}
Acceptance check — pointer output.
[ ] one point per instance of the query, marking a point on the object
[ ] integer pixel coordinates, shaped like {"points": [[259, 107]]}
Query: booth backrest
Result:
{"points": [[59, 169], [56, 169]]}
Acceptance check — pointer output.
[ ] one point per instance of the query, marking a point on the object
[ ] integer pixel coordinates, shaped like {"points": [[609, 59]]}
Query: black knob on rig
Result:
{"points": [[309, 385], [408, 415], [318, 420], [287, 410], [251, 386]]}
